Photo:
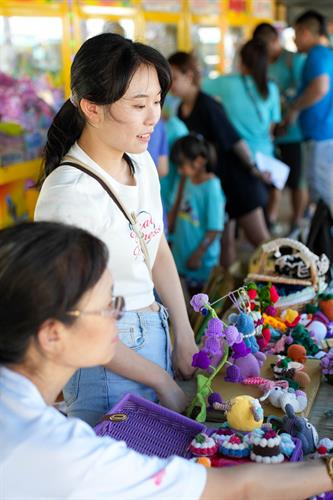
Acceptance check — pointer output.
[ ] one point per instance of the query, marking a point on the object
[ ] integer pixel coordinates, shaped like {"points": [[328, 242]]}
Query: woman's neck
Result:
{"points": [[49, 381], [110, 160]]}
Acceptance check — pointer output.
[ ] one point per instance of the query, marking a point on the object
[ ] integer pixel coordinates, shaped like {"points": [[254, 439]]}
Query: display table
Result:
{"points": [[229, 390]]}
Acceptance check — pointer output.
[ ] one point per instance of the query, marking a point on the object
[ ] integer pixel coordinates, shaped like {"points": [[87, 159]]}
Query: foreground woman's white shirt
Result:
{"points": [[46, 455]]}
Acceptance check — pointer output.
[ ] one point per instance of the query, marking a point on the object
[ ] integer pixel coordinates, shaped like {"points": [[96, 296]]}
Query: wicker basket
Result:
{"points": [[261, 270], [151, 429]]}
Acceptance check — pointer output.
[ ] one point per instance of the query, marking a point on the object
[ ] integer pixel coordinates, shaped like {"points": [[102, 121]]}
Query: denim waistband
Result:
{"points": [[145, 316]]}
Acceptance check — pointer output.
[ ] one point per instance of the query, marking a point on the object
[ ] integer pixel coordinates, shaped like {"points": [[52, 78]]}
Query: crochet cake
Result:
{"points": [[265, 447], [235, 446], [203, 445], [220, 435]]}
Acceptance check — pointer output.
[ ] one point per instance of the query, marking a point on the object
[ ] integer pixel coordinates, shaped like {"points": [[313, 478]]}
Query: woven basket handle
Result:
{"points": [[306, 255]]}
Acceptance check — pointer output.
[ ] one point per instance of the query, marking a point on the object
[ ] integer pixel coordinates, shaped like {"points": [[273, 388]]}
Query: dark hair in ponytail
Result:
{"points": [[190, 147], [255, 58], [101, 72]]}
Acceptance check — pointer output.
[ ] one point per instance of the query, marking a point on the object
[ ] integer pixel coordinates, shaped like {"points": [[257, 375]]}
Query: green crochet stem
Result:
{"points": [[205, 388]]}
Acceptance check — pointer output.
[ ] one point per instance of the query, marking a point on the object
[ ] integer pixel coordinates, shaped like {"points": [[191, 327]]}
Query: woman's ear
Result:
{"points": [[50, 338], [93, 112]]}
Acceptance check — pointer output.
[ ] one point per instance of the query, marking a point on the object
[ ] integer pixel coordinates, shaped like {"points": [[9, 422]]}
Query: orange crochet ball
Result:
{"points": [[205, 461], [297, 353]]}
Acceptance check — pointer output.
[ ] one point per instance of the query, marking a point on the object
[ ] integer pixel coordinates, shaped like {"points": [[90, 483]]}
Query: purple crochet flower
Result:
{"points": [[240, 350], [198, 301], [212, 345], [201, 360], [232, 335], [326, 363], [214, 327]]}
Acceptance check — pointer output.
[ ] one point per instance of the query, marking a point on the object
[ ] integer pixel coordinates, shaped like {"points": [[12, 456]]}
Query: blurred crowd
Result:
{"points": [[279, 104]]}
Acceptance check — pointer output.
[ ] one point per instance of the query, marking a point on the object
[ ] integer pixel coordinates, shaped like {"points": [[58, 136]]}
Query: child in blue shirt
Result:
{"points": [[198, 212]]}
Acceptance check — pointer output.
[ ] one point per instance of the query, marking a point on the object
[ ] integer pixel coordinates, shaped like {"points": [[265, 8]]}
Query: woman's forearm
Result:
{"points": [[244, 154], [290, 481], [128, 363]]}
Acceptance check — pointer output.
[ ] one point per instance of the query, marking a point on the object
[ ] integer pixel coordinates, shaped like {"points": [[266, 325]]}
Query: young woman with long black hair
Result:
{"points": [[100, 136]]}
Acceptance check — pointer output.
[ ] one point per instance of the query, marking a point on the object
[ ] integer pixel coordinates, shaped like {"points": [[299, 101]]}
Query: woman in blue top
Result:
{"points": [[198, 211]]}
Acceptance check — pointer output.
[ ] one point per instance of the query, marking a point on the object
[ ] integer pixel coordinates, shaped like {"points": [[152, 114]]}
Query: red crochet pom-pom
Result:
{"points": [[266, 333], [322, 450], [252, 293], [252, 306], [273, 294]]}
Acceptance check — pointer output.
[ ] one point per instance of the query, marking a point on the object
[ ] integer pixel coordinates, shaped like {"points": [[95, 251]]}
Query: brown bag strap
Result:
{"points": [[131, 217]]}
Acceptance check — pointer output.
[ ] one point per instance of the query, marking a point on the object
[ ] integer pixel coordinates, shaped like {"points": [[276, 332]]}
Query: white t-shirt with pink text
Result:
{"points": [[70, 196]]}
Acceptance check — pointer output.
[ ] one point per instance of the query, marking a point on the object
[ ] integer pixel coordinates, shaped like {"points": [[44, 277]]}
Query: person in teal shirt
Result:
{"points": [[285, 69], [198, 212], [251, 101]]}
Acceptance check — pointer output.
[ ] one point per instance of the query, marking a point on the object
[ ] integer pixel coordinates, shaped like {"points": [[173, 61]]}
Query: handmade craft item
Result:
{"points": [[298, 427], [326, 364], [265, 447], [326, 305], [286, 369], [235, 446], [297, 353], [279, 396], [203, 445], [298, 274], [243, 413], [317, 330]]}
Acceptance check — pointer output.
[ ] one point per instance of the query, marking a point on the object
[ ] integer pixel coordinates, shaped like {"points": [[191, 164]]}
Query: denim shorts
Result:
{"points": [[319, 165], [91, 392]]}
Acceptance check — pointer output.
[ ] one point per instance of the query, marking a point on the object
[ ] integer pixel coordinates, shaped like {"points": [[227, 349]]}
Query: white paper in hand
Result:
{"points": [[279, 171]]}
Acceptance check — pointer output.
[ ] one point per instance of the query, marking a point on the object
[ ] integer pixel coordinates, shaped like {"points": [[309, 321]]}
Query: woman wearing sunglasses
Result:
{"points": [[57, 314]]}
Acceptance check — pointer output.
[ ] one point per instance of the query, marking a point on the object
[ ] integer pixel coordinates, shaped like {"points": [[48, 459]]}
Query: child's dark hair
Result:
{"points": [[45, 269], [101, 72], [190, 147], [184, 62], [254, 57]]}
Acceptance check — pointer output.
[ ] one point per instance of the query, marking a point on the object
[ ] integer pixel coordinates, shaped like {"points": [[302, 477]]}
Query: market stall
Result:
{"points": [[40, 37]]}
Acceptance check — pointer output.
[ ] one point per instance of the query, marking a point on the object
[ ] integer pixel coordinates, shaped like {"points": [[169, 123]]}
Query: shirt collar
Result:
{"points": [[21, 386]]}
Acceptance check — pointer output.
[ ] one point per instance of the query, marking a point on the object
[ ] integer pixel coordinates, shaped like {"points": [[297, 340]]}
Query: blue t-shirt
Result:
{"points": [[250, 114], [158, 144], [286, 72], [317, 120], [201, 210]]}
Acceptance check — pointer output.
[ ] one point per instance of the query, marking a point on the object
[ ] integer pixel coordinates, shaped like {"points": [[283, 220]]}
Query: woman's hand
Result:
{"points": [[171, 395], [195, 260], [182, 354]]}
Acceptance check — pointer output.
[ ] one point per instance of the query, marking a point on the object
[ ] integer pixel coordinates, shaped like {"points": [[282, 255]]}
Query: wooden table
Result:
{"points": [[229, 390], [320, 397]]}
